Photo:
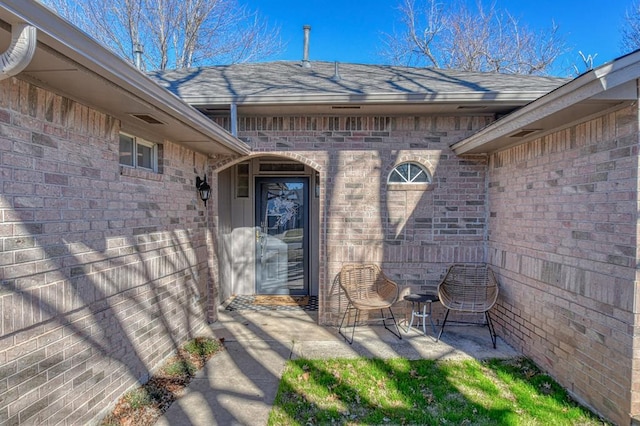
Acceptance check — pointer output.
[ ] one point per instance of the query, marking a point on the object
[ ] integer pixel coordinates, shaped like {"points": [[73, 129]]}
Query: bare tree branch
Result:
{"points": [[484, 39], [631, 28], [175, 33]]}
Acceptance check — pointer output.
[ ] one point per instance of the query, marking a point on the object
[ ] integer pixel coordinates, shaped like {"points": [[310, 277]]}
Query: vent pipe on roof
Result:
{"points": [[305, 56], [336, 73], [137, 52], [234, 119], [20, 52]]}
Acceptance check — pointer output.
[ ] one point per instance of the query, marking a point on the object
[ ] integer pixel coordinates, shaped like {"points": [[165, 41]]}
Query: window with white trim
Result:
{"points": [[138, 153], [407, 173]]}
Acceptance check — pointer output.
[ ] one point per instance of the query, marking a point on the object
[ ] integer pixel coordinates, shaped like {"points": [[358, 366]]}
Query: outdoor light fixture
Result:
{"points": [[203, 188]]}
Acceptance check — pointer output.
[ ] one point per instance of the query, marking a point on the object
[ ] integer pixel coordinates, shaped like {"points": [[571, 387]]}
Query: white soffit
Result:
{"points": [[463, 103]]}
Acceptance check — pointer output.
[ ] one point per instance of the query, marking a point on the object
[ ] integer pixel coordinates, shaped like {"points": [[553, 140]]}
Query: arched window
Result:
{"points": [[409, 173]]}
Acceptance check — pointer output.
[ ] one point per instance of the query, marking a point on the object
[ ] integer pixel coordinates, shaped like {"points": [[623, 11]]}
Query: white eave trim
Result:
{"points": [[589, 86], [62, 36], [367, 98]]}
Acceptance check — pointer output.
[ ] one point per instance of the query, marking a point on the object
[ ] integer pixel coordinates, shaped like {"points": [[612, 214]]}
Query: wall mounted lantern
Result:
{"points": [[203, 188]]}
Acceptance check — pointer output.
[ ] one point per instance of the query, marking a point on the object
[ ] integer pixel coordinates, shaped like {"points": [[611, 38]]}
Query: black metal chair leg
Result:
{"points": [[443, 323], [393, 318], [342, 322], [357, 317], [492, 331], [355, 323]]}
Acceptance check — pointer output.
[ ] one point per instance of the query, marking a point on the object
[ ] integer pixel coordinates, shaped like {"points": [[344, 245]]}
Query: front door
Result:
{"points": [[282, 218]]}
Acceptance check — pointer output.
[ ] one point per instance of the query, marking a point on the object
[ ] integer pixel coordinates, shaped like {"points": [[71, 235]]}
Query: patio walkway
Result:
{"points": [[238, 386]]}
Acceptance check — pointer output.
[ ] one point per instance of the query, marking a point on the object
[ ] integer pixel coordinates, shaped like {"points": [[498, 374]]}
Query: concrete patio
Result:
{"points": [[238, 386]]}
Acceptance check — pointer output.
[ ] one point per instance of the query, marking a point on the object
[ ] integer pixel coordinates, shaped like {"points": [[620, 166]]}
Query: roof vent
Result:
{"points": [[147, 118], [336, 73], [137, 53], [524, 132], [305, 53]]}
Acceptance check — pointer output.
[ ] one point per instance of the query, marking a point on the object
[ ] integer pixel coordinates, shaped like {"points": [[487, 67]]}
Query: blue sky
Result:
{"points": [[350, 30]]}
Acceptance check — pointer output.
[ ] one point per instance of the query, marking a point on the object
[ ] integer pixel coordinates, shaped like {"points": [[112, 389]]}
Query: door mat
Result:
{"points": [[269, 300], [246, 303]]}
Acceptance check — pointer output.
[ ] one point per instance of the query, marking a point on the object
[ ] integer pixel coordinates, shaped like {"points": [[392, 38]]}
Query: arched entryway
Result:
{"points": [[268, 228]]}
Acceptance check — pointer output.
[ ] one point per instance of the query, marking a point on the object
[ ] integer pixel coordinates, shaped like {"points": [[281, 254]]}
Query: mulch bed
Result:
{"points": [[160, 391]]}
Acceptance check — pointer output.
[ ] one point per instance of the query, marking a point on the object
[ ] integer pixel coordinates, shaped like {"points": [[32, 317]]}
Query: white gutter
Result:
{"points": [[64, 37], [367, 98], [20, 52]]}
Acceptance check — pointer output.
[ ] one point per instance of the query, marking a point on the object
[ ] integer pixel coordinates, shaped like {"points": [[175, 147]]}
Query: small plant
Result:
{"points": [[181, 367], [202, 347], [138, 398]]}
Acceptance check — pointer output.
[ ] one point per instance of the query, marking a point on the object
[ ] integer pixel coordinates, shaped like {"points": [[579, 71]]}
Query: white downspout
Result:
{"points": [[20, 52]]}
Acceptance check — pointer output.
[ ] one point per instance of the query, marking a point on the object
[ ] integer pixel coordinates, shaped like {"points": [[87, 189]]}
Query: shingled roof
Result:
{"points": [[290, 82]]}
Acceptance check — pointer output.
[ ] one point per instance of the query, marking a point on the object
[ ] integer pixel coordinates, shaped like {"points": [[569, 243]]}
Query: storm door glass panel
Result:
{"points": [[282, 236]]}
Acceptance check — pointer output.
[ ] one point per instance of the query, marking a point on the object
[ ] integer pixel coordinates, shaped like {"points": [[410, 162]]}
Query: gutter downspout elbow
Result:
{"points": [[19, 54]]}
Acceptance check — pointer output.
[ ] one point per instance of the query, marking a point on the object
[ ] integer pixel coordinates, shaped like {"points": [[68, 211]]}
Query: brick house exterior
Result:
{"points": [[414, 232], [99, 266], [547, 195], [563, 237], [563, 234], [104, 269], [536, 176], [350, 133]]}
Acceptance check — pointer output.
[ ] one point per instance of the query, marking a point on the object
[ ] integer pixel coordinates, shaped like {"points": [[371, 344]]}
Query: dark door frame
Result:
{"points": [[306, 214]]}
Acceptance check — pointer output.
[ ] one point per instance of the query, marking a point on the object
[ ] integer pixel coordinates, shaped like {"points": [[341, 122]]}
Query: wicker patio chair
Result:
{"points": [[368, 289], [469, 288]]}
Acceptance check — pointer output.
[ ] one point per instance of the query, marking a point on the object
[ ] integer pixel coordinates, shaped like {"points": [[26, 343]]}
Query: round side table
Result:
{"points": [[421, 310]]}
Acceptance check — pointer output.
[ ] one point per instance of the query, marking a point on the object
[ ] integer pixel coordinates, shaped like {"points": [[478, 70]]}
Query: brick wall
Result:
{"points": [[103, 270], [414, 234], [563, 237]]}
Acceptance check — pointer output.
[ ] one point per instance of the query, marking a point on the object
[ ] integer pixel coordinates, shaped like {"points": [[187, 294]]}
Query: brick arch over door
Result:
{"points": [[226, 211], [220, 164]]}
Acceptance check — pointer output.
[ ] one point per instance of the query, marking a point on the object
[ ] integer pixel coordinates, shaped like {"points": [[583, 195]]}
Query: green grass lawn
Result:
{"points": [[422, 392]]}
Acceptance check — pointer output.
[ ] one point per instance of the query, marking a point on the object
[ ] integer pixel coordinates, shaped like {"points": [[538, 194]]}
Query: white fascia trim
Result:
{"points": [[369, 98], [584, 87], [67, 39]]}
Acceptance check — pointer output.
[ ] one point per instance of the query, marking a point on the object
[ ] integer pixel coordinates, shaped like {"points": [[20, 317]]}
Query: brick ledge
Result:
{"points": [[140, 174]]}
